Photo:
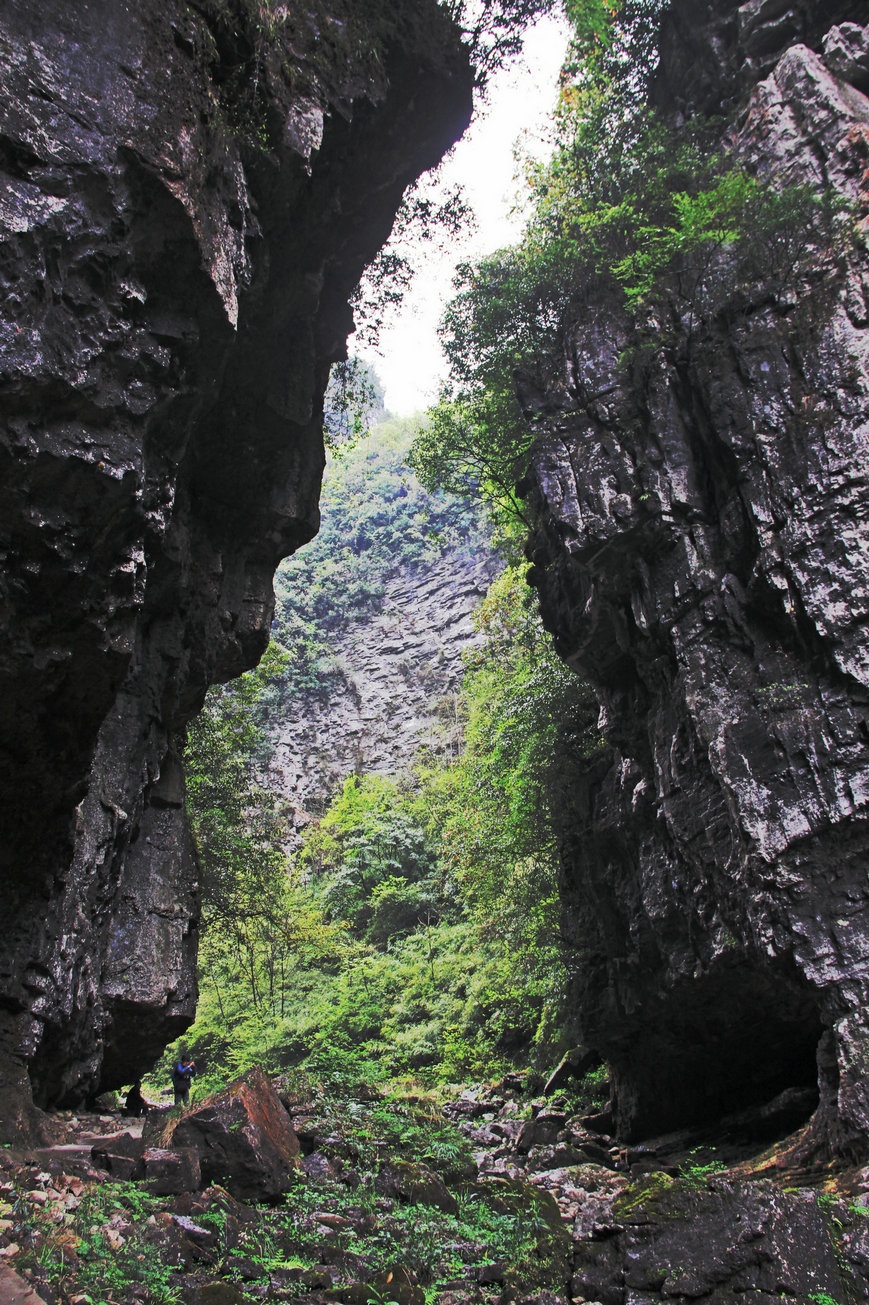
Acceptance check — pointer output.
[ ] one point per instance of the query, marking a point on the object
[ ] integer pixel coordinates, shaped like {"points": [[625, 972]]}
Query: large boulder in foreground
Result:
{"points": [[244, 1139]]}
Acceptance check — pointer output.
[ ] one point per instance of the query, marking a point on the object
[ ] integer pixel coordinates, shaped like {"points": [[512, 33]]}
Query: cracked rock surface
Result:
{"points": [[701, 557]]}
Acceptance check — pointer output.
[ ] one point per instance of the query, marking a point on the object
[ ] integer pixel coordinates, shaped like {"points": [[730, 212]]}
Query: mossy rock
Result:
{"points": [[549, 1262], [645, 1201], [218, 1293]]}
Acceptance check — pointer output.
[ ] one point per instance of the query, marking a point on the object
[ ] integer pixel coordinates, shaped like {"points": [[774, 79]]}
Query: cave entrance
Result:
{"points": [[727, 1043]]}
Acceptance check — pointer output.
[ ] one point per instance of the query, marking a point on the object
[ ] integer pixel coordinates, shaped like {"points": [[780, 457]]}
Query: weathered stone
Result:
{"points": [[400, 662], [187, 202], [122, 1167], [318, 1166], [120, 1156], [574, 1064], [701, 559], [714, 51], [543, 1130], [846, 54], [243, 1138], [196, 1233], [415, 1183], [169, 1170], [15, 1291]]}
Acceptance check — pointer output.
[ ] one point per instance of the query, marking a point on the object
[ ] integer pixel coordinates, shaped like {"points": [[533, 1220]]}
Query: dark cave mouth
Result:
{"points": [[719, 1050]]}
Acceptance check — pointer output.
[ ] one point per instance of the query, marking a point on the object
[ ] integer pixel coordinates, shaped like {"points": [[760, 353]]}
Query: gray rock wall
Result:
{"points": [[189, 194], [398, 691], [702, 557]]}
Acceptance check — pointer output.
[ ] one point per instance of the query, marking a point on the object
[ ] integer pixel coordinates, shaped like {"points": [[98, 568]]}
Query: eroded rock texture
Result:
{"points": [[189, 194], [402, 673], [702, 558]]}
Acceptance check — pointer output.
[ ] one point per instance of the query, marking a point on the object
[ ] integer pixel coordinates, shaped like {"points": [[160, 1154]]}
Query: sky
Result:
{"points": [[408, 360]]}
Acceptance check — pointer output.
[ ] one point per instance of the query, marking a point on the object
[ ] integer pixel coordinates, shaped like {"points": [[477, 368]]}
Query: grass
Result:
{"points": [[96, 1249]]}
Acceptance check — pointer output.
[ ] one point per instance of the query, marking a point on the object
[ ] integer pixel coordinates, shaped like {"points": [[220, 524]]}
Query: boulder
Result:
{"points": [[541, 1131], [120, 1156], [574, 1064], [15, 1291], [414, 1183], [243, 1139], [319, 1167], [169, 1171]]}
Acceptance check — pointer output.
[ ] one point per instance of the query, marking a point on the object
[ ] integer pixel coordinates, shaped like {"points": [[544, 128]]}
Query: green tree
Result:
{"points": [[659, 219], [371, 862]]}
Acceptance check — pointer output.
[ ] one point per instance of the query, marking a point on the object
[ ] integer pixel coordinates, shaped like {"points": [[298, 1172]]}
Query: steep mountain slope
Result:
{"points": [[375, 614]]}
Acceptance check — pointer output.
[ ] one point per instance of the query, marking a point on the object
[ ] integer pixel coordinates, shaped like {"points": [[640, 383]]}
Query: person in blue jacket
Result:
{"points": [[182, 1076]]}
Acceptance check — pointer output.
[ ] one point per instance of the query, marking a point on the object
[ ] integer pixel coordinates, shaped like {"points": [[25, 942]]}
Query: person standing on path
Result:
{"points": [[182, 1076]]}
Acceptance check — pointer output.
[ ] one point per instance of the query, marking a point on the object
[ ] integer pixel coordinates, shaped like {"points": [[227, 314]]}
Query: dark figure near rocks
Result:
{"points": [[182, 1075], [135, 1103]]}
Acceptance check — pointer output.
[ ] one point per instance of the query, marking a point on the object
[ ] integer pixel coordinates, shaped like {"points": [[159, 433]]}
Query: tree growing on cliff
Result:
{"points": [[659, 220]]}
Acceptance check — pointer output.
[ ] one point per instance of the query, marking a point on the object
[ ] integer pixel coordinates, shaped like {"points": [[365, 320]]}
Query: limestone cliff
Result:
{"points": [[701, 556], [398, 690], [190, 191]]}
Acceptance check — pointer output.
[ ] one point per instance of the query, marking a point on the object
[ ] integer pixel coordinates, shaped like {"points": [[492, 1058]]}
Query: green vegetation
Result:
{"points": [[398, 1208], [416, 931], [655, 224], [696, 1171], [377, 521], [96, 1246]]}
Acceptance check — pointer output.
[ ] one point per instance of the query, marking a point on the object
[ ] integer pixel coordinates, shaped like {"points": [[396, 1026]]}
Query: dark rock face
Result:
{"points": [[718, 1241], [243, 1139], [702, 558], [187, 200], [714, 51]]}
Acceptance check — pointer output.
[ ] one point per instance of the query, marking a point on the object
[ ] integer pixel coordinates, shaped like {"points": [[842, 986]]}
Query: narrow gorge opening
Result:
{"points": [[431, 971]]}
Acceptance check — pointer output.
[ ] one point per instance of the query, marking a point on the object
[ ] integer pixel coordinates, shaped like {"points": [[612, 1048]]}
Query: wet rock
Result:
{"points": [[702, 549], [243, 1138], [172, 1170]]}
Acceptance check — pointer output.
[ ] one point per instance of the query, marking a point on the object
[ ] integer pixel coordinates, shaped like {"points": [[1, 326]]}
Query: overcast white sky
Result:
{"points": [[409, 361]]}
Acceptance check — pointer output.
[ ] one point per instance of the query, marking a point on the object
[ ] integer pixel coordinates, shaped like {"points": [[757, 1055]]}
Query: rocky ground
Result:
{"points": [[357, 1198]]}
